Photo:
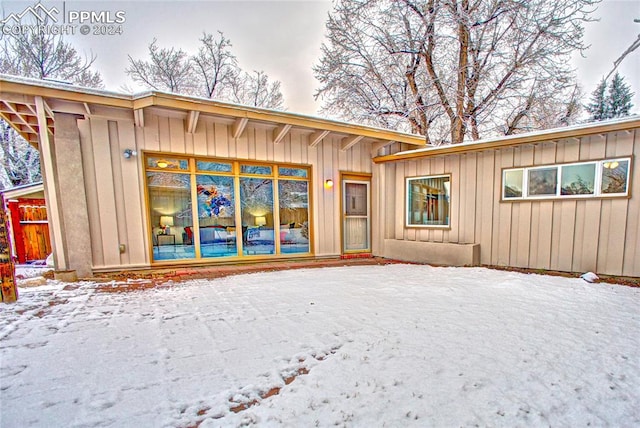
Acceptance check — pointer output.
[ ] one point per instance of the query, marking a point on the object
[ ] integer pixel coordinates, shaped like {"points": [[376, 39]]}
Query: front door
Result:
{"points": [[356, 214]]}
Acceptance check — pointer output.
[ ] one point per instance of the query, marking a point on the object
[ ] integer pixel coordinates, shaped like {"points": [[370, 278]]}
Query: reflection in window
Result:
{"points": [[213, 166], [167, 163], [428, 201], [256, 201], [615, 175], [256, 169], [578, 179], [170, 211], [294, 216], [292, 172], [216, 216], [543, 181], [513, 183]]}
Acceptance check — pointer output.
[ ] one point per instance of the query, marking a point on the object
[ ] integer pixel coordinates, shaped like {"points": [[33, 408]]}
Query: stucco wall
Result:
{"points": [[600, 235], [115, 185]]}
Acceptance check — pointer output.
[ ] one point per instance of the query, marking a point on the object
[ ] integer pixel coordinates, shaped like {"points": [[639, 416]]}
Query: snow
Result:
{"points": [[395, 345]]}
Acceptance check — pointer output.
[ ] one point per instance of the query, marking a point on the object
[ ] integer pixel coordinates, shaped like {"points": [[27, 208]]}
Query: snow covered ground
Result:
{"points": [[396, 345]]}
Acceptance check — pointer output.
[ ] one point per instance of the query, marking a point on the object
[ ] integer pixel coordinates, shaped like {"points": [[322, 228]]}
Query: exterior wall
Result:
{"points": [[600, 235], [115, 185]]}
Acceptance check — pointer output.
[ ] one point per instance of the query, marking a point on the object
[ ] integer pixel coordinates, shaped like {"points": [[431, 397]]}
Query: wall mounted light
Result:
{"points": [[328, 183], [128, 153]]}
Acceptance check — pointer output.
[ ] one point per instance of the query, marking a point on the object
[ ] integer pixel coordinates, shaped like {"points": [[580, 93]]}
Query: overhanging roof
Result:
{"points": [[21, 191], [17, 107], [574, 131]]}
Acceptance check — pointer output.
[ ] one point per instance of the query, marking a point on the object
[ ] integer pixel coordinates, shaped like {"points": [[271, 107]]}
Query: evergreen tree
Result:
{"points": [[619, 98], [610, 101], [598, 105]]}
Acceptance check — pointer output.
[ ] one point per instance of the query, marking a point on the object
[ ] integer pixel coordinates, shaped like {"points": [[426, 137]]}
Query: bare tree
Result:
{"points": [[37, 55], [211, 73], [256, 90], [41, 55], [452, 69], [168, 69], [216, 65]]}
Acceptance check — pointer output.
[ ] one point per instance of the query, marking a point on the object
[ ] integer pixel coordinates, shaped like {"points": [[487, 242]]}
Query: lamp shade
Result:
{"points": [[261, 220], [166, 220]]}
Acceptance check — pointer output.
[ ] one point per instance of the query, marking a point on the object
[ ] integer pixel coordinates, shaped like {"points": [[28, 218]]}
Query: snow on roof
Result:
{"points": [[516, 137]]}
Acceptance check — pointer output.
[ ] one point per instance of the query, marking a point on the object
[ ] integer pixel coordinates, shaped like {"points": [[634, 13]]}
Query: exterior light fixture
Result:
{"points": [[328, 183], [128, 153]]}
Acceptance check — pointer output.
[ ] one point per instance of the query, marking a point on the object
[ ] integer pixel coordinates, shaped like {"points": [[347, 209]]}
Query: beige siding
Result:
{"points": [[600, 235], [115, 186]]}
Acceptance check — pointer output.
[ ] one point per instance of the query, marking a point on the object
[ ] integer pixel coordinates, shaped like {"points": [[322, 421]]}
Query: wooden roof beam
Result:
{"points": [[138, 117], [316, 137], [379, 145], [280, 132], [239, 125], [349, 142], [192, 121]]}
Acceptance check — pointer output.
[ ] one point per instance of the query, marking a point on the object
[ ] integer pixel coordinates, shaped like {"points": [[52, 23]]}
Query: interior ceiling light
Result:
{"points": [[162, 164]]}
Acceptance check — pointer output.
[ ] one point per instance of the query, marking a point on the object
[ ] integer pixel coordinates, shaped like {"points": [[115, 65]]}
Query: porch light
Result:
{"points": [[328, 183], [128, 153]]}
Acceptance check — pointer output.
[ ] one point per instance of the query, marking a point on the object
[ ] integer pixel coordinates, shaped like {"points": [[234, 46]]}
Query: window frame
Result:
{"points": [[407, 207], [597, 185]]}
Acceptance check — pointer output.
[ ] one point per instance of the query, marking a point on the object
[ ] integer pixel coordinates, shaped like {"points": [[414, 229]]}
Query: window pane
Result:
{"points": [[294, 216], [614, 176], [256, 196], [428, 202], [578, 179], [216, 216], [355, 199], [256, 169], [167, 163], [543, 181], [292, 172], [513, 184], [170, 212], [213, 166]]}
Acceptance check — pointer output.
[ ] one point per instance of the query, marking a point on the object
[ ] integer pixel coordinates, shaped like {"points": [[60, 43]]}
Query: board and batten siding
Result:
{"points": [[115, 185], [577, 235]]}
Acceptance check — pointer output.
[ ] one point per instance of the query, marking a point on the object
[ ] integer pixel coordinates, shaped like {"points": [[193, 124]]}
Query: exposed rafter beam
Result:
{"points": [[378, 145], [239, 125], [13, 109], [349, 142], [138, 117], [192, 121], [87, 108], [316, 137], [280, 132]]}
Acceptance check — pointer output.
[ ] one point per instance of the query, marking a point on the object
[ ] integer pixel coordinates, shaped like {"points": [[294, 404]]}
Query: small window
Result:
{"points": [[214, 166], [292, 172], [167, 163], [512, 187], [543, 182], [578, 179], [615, 177], [256, 169], [428, 201]]}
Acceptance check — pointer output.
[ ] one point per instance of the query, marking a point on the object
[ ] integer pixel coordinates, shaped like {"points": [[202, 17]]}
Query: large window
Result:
{"points": [[576, 180], [219, 208], [428, 200]]}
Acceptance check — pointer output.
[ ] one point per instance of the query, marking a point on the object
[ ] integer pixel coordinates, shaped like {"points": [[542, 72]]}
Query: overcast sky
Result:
{"points": [[283, 38]]}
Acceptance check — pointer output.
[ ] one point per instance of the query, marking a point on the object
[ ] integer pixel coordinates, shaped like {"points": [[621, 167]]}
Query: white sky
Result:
{"points": [[283, 38]]}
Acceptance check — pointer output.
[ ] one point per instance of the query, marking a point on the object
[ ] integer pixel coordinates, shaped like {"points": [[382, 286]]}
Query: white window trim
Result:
{"points": [[597, 191]]}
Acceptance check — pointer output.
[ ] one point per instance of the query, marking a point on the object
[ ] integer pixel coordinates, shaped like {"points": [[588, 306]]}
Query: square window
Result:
{"points": [[543, 182], [615, 176], [578, 179], [428, 201], [512, 184]]}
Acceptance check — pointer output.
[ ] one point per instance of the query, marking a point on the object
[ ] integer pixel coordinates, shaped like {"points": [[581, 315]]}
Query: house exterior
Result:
{"points": [[154, 180]]}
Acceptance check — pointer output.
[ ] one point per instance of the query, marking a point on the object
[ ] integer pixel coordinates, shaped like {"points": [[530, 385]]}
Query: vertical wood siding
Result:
{"points": [[115, 185], [601, 235]]}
